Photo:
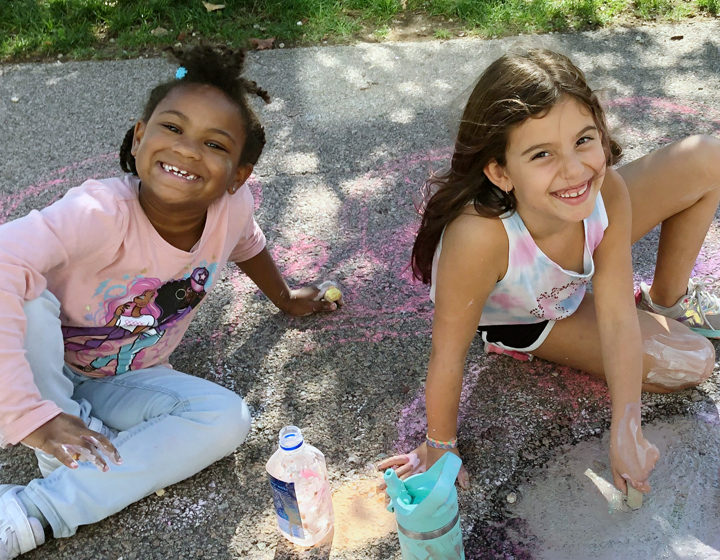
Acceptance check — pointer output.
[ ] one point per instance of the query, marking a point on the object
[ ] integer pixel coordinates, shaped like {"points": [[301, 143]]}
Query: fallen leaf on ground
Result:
{"points": [[262, 44], [213, 7]]}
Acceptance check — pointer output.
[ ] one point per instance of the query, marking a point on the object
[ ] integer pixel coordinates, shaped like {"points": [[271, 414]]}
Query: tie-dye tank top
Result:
{"points": [[535, 288]]}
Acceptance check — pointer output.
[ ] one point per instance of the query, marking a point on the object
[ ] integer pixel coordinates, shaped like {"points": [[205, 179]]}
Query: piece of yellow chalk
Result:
{"points": [[634, 498], [332, 294]]}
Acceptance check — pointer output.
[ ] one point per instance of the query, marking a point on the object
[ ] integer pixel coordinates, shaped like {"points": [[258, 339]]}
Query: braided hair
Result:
{"points": [[221, 68]]}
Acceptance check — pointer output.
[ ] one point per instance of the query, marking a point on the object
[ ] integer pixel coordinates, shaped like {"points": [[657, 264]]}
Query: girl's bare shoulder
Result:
{"points": [[476, 230], [615, 194], [478, 239]]}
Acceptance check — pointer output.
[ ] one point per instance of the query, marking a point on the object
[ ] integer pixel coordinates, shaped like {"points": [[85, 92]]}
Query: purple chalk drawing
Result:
{"points": [[576, 388]]}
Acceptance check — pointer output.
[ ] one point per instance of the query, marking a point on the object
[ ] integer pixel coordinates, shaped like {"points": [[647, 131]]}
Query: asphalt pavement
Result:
{"points": [[353, 132]]}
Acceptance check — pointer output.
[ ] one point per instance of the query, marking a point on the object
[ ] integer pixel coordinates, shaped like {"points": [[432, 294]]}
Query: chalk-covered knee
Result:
{"points": [[679, 360], [709, 362]]}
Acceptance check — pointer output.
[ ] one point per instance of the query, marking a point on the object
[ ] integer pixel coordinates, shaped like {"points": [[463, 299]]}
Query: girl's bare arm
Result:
{"points": [[263, 271], [614, 298], [620, 337], [473, 260]]}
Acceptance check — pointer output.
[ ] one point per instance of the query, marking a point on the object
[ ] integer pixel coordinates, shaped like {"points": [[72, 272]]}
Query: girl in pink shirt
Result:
{"points": [[96, 292], [518, 226]]}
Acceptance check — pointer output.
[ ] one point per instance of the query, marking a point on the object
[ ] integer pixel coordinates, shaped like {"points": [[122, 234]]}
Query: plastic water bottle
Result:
{"points": [[301, 492], [426, 510]]}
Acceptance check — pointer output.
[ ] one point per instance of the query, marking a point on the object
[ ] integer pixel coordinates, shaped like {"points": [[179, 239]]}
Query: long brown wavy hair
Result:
{"points": [[517, 86]]}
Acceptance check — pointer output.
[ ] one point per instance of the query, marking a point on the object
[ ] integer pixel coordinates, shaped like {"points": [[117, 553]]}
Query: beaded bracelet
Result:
{"points": [[437, 444]]}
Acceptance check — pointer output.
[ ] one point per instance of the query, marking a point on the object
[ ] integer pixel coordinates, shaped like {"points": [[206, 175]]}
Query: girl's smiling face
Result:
{"points": [[555, 164], [187, 154]]}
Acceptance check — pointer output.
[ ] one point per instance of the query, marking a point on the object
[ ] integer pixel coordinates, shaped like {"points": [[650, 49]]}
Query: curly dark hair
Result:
{"points": [[221, 68], [515, 87]]}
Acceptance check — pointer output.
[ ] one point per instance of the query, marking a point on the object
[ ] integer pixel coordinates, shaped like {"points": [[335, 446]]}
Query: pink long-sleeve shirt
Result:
{"points": [[127, 296]]}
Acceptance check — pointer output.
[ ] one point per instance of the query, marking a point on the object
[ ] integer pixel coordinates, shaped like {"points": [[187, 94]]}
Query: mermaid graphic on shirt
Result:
{"points": [[134, 322]]}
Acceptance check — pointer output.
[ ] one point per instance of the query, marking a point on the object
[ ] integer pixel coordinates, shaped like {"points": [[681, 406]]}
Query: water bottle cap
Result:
{"points": [[290, 438]]}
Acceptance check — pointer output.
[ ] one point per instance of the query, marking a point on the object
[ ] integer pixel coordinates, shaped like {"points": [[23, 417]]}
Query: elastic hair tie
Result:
{"points": [[181, 73], [437, 444]]}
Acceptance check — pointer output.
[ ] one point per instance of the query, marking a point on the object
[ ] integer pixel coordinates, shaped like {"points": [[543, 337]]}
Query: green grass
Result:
{"points": [[501, 17], [653, 8], [711, 6], [381, 32], [116, 28]]}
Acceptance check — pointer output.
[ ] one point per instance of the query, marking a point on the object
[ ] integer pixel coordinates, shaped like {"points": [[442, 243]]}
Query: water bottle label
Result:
{"points": [[286, 507]]}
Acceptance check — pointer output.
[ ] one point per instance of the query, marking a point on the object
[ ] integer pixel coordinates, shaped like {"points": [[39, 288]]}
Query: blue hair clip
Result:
{"points": [[181, 73]]}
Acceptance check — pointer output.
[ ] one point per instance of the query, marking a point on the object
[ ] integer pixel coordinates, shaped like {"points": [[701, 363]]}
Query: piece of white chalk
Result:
{"points": [[634, 498]]}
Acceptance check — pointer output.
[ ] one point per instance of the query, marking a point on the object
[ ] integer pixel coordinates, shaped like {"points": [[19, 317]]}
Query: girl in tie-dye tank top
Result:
{"points": [[529, 212]]}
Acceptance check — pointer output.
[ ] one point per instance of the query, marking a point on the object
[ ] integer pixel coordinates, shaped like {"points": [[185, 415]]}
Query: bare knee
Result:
{"points": [[678, 361], [701, 153]]}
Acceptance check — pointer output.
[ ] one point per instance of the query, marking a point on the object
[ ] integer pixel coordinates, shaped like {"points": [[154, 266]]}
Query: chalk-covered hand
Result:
{"points": [[66, 438], [308, 300], [632, 456], [418, 461]]}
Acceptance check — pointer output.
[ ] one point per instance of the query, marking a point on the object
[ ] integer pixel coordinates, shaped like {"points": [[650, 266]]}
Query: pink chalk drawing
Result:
{"points": [[371, 263], [382, 297], [54, 185], [660, 114]]}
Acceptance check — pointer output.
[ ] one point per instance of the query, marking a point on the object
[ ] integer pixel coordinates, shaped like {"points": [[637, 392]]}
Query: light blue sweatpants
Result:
{"points": [[171, 425]]}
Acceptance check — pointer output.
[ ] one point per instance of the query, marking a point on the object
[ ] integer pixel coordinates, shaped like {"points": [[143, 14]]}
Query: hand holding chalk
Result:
{"points": [[332, 294], [309, 300], [632, 456], [329, 291]]}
